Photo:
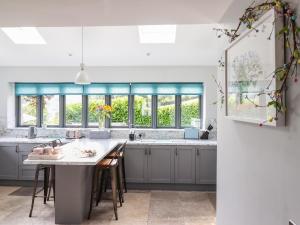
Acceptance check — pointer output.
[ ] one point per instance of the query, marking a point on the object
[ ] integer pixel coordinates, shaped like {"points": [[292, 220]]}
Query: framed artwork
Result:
{"points": [[250, 62]]}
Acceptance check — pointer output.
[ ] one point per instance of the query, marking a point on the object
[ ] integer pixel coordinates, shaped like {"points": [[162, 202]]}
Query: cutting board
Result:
{"points": [[32, 156]]}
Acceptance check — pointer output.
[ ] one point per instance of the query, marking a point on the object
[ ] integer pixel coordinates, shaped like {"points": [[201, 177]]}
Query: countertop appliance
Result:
{"points": [[32, 132], [73, 134]]}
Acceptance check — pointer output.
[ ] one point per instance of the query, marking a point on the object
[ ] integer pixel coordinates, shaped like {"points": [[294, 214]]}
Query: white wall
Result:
{"points": [[259, 169], [9, 75]]}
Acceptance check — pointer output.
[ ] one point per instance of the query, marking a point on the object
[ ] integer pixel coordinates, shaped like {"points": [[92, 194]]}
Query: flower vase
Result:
{"points": [[101, 122]]}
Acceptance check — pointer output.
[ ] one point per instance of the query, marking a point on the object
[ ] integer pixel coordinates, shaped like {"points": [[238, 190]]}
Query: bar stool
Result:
{"points": [[35, 193], [120, 156], [49, 171], [107, 166]]}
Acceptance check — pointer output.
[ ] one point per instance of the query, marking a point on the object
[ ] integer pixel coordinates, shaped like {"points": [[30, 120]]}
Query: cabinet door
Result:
{"points": [[161, 164], [185, 165], [26, 172], [135, 164], [9, 162], [206, 165]]}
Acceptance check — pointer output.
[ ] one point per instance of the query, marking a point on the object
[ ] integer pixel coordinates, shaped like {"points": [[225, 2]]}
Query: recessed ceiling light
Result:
{"points": [[24, 35], [157, 34]]}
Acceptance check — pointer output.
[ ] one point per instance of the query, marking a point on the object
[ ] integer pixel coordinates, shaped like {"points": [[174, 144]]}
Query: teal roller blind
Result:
{"points": [[107, 89], [167, 89], [48, 89]]}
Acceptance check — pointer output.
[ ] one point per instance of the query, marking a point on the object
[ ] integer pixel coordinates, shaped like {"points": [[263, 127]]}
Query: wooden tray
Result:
{"points": [[32, 156]]}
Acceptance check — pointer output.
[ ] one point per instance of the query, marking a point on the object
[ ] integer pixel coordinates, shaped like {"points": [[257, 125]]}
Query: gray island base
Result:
{"points": [[73, 191]]}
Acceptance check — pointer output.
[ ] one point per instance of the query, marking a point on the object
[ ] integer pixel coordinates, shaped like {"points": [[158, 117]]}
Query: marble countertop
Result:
{"points": [[72, 151], [40, 140], [173, 142]]}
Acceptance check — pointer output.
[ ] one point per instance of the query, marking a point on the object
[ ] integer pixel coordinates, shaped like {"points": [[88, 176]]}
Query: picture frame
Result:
{"points": [[250, 62]]}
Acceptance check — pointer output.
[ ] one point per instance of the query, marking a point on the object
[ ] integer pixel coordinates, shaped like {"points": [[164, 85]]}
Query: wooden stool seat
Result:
{"points": [[107, 163], [115, 154]]}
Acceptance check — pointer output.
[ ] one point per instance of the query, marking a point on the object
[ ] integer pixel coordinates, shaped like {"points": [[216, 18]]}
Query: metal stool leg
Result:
{"points": [[124, 174], [113, 171], [36, 177]]}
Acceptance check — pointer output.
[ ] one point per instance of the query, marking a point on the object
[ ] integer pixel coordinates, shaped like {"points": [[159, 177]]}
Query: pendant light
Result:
{"points": [[82, 76]]}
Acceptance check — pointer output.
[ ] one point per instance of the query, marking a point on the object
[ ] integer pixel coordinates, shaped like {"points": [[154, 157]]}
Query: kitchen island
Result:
{"points": [[73, 178]]}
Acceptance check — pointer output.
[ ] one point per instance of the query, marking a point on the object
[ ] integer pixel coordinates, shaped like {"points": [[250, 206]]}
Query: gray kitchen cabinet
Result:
{"points": [[136, 164], [26, 172], [160, 164], [9, 162], [185, 165], [206, 165]]}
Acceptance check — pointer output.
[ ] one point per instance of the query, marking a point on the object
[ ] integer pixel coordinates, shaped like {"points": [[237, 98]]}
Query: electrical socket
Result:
{"points": [[292, 222]]}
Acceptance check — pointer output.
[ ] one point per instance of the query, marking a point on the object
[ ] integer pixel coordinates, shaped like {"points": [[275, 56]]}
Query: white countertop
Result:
{"points": [[39, 140], [72, 150], [174, 142]]}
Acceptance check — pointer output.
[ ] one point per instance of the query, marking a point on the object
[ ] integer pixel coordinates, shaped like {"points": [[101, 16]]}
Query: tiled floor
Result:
{"points": [[140, 208]]}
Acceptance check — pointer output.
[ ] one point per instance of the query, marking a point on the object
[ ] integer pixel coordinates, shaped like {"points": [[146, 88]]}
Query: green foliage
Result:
{"points": [[166, 113], [189, 111], [73, 113], [120, 110]]}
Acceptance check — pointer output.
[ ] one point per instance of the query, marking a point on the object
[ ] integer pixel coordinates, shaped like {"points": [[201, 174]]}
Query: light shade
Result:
{"points": [[82, 76]]}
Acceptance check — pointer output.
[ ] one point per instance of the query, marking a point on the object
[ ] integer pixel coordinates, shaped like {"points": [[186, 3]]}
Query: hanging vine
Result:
{"points": [[290, 34]]}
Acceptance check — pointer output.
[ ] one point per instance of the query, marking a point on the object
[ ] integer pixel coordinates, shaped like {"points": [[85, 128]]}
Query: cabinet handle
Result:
{"points": [[149, 151], [17, 149], [198, 153], [176, 152], [146, 151]]}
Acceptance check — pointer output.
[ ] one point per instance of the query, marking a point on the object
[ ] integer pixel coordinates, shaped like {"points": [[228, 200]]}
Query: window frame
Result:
{"points": [[108, 124], [42, 112], [176, 125], [87, 110], [200, 100], [129, 108], [83, 114], [18, 111], [133, 114]]}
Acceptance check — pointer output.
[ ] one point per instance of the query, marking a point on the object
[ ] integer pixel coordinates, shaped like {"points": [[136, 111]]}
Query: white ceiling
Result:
{"points": [[113, 46], [57, 13]]}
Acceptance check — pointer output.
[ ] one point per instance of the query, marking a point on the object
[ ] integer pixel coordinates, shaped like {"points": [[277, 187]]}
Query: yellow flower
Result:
{"points": [[107, 108]]}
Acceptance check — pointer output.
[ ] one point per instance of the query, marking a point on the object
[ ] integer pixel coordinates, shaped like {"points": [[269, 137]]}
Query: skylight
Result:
{"points": [[157, 34], [24, 35]]}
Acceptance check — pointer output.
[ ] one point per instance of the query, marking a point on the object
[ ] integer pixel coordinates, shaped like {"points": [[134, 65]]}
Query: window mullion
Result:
{"points": [[18, 111], [154, 111], [39, 111], [131, 111], [107, 102], [177, 111], [62, 111], [84, 111]]}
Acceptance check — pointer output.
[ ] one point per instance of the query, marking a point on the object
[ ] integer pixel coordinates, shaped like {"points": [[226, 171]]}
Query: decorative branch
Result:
{"points": [[290, 34]]}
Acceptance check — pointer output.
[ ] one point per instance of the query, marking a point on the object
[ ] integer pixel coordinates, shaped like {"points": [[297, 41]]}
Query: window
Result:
{"points": [[28, 110], [73, 104], [190, 110], [144, 105], [50, 105], [93, 102], [119, 115], [166, 111], [143, 111]]}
